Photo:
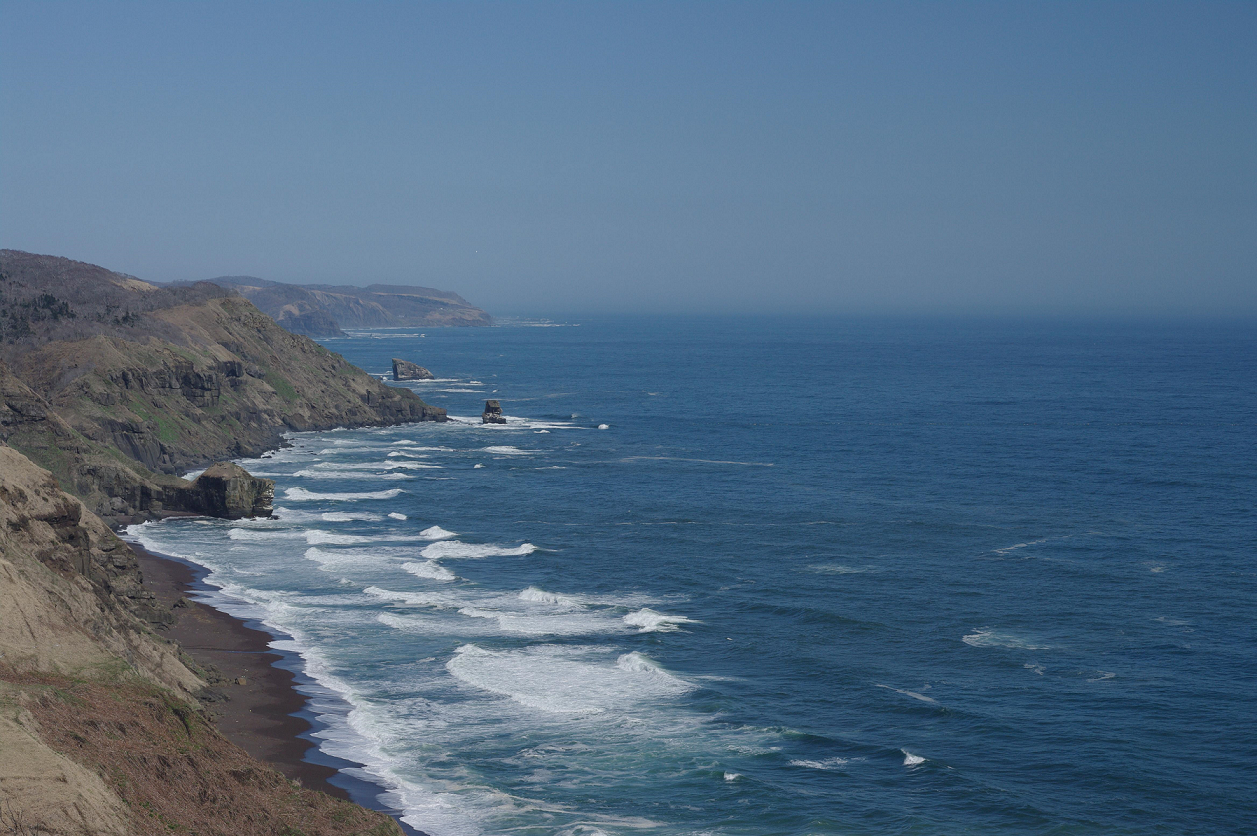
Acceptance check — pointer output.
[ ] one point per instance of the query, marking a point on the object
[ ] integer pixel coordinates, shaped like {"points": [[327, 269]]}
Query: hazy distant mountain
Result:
{"points": [[318, 310]]}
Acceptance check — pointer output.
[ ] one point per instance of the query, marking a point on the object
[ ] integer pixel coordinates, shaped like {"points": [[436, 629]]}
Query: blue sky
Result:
{"points": [[954, 158]]}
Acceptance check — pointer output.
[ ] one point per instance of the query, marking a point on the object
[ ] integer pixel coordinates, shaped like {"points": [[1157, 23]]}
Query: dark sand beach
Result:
{"points": [[261, 715], [266, 715]]}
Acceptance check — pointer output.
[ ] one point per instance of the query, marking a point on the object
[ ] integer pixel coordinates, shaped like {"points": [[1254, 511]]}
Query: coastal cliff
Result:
{"points": [[101, 726], [323, 310], [115, 384]]}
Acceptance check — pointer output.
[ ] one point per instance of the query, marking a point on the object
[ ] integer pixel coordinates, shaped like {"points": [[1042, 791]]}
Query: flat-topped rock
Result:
{"points": [[492, 413], [228, 491], [406, 370]]}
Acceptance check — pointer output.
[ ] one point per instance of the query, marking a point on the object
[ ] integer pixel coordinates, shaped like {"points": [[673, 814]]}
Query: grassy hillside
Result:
{"points": [[147, 379]]}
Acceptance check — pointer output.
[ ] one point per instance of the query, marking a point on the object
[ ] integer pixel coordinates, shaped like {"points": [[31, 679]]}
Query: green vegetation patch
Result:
{"points": [[282, 387]]}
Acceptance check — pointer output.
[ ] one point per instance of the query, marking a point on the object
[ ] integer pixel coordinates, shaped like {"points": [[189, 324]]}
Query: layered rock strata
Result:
{"points": [[492, 413]]}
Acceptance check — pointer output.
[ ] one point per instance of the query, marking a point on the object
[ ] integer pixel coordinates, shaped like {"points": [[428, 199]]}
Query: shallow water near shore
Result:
{"points": [[761, 577]]}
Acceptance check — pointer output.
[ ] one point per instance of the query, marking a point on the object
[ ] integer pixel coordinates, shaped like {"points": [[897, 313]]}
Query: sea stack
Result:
{"points": [[406, 370], [492, 413], [227, 490]]}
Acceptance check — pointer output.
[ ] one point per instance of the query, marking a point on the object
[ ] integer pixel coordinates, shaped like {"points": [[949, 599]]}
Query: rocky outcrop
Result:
{"points": [[492, 413], [406, 370], [226, 490]]}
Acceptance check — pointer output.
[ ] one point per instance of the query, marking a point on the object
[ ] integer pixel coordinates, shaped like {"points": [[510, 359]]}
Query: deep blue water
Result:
{"points": [[813, 577]]}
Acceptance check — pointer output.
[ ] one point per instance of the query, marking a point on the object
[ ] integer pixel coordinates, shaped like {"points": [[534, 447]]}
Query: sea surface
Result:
{"points": [[757, 576]]}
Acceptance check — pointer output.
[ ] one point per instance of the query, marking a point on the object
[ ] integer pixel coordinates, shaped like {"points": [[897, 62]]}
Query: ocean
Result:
{"points": [[778, 576]]}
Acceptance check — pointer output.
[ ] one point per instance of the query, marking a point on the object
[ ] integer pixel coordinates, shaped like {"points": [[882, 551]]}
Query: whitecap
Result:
{"points": [[986, 637], [393, 515], [649, 621], [251, 534], [827, 764], [910, 759], [456, 549], [507, 450], [429, 569], [303, 495], [565, 680], [435, 532], [539, 596], [325, 474], [345, 516], [339, 560], [906, 693]]}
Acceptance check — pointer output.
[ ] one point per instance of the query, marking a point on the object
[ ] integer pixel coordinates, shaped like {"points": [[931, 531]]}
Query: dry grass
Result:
{"points": [[175, 772]]}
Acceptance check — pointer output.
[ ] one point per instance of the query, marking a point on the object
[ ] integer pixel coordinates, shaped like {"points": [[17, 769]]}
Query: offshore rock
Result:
{"points": [[406, 370], [492, 413], [228, 491]]}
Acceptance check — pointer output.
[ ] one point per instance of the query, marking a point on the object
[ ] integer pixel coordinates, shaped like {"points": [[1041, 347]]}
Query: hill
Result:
{"points": [[323, 310], [115, 384]]}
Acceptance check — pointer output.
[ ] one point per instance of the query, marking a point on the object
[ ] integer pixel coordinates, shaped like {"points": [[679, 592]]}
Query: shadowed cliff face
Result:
{"points": [[102, 364]]}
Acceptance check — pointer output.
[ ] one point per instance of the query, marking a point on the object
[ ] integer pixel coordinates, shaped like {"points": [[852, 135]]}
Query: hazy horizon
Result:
{"points": [[969, 159]]}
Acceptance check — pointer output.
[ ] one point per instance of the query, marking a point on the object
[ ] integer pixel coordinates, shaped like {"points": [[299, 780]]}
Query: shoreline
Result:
{"points": [[268, 715]]}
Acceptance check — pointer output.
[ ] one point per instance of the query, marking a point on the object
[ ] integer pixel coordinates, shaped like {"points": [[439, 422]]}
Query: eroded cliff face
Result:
{"points": [[71, 597], [100, 730]]}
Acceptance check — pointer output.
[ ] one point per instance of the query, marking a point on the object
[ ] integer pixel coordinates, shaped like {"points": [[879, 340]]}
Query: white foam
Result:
{"points": [[429, 598], [429, 569], [828, 764], [604, 426], [565, 680], [649, 621], [435, 532], [539, 596], [344, 516], [252, 534], [338, 560], [327, 474], [910, 759], [303, 495], [732, 776], [913, 694], [456, 550], [986, 637], [507, 450], [393, 515], [353, 467]]}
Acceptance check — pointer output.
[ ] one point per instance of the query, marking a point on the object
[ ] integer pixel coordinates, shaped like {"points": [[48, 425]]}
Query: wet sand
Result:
{"points": [[258, 716]]}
